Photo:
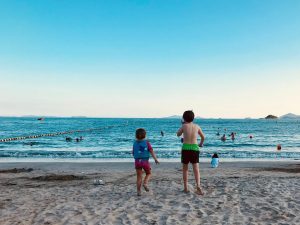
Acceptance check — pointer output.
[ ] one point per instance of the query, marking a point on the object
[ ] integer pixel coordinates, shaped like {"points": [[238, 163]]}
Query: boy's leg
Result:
{"points": [[139, 179], [197, 177], [185, 169], [196, 173]]}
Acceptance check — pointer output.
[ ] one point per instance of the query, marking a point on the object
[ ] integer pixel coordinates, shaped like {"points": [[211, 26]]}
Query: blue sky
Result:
{"points": [[229, 59]]}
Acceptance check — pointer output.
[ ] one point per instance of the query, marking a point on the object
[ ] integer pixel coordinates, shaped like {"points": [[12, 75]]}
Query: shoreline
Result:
{"points": [[122, 160], [128, 167]]}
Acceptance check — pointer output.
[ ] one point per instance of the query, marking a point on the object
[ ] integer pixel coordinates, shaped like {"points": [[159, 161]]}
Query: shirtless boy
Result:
{"points": [[190, 149]]}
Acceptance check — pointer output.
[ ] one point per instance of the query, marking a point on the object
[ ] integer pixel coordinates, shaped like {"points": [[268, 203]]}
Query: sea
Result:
{"points": [[112, 138]]}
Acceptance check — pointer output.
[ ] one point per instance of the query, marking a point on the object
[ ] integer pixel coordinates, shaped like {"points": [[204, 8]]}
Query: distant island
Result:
{"points": [[271, 117], [290, 116], [172, 117]]}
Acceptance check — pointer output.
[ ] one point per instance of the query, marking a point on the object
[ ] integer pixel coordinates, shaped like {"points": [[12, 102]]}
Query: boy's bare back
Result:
{"points": [[190, 132]]}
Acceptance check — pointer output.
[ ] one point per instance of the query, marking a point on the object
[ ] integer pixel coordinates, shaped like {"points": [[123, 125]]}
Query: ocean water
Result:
{"points": [[112, 138]]}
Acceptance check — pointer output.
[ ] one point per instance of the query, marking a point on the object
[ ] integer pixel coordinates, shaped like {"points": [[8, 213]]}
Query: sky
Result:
{"points": [[228, 59]]}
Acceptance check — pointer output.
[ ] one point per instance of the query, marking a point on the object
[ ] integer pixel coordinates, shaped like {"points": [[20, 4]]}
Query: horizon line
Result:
{"points": [[162, 117]]}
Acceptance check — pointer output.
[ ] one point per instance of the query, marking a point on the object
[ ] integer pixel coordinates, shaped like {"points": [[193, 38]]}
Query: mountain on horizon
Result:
{"points": [[290, 116], [286, 116], [172, 117]]}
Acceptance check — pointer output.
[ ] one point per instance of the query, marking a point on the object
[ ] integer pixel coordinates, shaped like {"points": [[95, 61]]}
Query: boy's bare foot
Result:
{"points": [[199, 191], [139, 193], [146, 188]]}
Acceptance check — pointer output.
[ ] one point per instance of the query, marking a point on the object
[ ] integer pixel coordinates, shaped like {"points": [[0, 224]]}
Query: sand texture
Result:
{"points": [[64, 193]]}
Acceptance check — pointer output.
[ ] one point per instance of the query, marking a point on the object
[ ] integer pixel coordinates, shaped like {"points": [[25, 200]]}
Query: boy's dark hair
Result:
{"points": [[188, 116], [140, 133]]}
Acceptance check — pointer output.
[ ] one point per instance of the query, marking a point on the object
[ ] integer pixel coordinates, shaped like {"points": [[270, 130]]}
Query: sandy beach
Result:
{"points": [[64, 193]]}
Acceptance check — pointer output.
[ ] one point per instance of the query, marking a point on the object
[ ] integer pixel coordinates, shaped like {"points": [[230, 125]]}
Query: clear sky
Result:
{"points": [[233, 58]]}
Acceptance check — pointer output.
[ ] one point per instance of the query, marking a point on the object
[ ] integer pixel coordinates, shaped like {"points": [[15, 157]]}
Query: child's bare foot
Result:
{"points": [[139, 193], [146, 188], [199, 191], [186, 191]]}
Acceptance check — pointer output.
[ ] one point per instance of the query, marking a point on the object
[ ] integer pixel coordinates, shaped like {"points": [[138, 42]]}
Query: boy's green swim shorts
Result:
{"points": [[192, 147]]}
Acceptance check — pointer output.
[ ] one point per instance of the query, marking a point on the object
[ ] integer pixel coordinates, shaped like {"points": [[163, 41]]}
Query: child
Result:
{"points": [[190, 149], [141, 153], [214, 160]]}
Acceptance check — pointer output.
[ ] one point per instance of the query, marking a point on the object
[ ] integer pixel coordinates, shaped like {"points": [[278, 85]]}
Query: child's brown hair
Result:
{"points": [[140, 133]]}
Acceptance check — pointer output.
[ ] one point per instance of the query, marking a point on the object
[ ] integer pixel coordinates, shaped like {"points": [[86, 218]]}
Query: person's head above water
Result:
{"points": [[188, 116], [140, 134]]}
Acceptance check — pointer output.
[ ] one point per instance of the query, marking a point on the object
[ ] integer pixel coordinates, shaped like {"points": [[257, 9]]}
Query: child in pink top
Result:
{"points": [[141, 152]]}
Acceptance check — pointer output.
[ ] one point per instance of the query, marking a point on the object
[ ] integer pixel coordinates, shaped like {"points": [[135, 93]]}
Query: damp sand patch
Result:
{"points": [[290, 169], [17, 170], [56, 177]]}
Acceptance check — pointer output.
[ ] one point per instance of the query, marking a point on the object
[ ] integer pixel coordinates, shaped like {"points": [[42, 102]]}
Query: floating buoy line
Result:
{"points": [[59, 133]]}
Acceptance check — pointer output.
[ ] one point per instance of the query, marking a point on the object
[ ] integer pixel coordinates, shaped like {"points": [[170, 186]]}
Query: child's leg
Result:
{"points": [[185, 169], [147, 177], [197, 178], [196, 173], [139, 179], [146, 180], [147, 169]]}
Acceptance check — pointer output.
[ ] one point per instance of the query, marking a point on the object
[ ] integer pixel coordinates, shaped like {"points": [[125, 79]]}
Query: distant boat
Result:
{"points": [[41, 118]]}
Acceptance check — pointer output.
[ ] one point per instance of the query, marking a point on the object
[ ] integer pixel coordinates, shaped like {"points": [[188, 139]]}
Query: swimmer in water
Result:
{"points": [[68, 139], [162, 133], [232, 135], [30, 143], [223, 138]]}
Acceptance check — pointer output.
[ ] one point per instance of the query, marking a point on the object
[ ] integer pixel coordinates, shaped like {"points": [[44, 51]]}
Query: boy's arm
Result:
{"points": [[180, 132], [201, 136]]}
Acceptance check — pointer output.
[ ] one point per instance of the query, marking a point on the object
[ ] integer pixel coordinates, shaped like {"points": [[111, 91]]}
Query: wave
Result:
{"points": [[128, 154]]}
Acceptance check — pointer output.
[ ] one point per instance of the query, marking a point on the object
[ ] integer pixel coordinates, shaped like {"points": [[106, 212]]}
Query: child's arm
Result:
{"points": [[201, 136], [180, 132], [154, 157], [152, 152]]}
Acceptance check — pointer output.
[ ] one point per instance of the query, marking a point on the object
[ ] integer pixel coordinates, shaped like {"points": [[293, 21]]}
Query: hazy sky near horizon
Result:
{"points": [[230, 59]]}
